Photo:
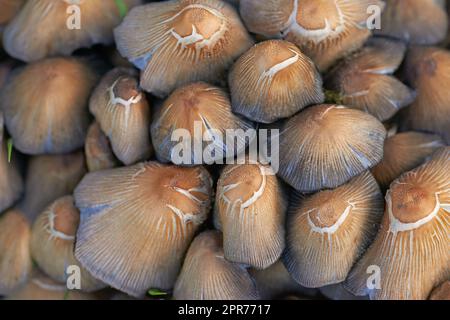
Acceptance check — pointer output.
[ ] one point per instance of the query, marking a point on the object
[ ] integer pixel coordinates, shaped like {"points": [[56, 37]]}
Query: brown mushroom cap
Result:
{"points": [[327, 145], [53, 241], [15, 259], [427, 70], [137, 222], [442, 292], [123, 113], [274, 80], [45, 105], [403, 152], [250, 208], [364, 80], [181, 41], [207, 275], [25, 40], [417, 21], [325, 30], [198, 105], [411, 248], [8, 9], [97, 148], [328, 231], [50, 177]]}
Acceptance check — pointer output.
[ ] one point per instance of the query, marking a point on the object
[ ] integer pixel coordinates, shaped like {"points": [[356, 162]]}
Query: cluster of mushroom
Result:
{"points": [[87, 177]]}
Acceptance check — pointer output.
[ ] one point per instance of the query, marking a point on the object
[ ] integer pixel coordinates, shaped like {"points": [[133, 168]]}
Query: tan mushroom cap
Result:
{"points": [[427, 70], [274, 80], [53, 241], [442, 292], [25, 40], [364, 80], [123, 112], [411, 248], [207, 275], [416, 21], [327, 145], [403, 152], [50, 177], [15, 259], [45, 105], [250, 208], [325, 30], [328, 231], [181, 41], [99, 155], [200, 110], [137, 222], [8, 9]]}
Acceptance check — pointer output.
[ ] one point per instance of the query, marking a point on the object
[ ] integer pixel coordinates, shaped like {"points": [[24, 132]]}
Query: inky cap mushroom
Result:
{"points": [[442, 292], [97, 148], [137, 222], [207, 275], [180, 41], [327, 145]]}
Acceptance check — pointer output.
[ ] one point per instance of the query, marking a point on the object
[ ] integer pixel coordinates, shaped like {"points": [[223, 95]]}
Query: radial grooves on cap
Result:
{"points": [[123, 118], [132, 217], [413, 257], [417, 21], [404, 152], [274, 80], [327, 145], [251, 206], [15, 259], [198, 104], [177, 42], [327, 232], [207, 275]]}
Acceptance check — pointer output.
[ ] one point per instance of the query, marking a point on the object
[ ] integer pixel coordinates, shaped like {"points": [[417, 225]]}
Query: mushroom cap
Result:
{"points": [[200, 110], [53, 241], [23, 37], [327, 232], [45, 105], [137, 222], [442, 292], [181, 41], [403, 152], [274, 80], [250, 207], [15, 259], [325, 30], [50, 177], [8, 9], [99, 155], [427, 70], [411, 248], [338, 292], [364, 80], [207, 275], [123, 112], [327, 145], [416, 21]]}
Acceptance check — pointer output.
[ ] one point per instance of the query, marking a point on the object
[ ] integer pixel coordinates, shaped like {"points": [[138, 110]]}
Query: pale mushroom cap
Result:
{"points": [[199, 110], [327, 145], [250, 208], [15, 259], [24, 39], [325, 30], [207, 275], [123, 112], [53, 241], [45, 105], [137, 222], [274, 80], [410, 251], [98, 151], [328, 231], [416, 21], [427, 70], [181, 41], [403, 152]]}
